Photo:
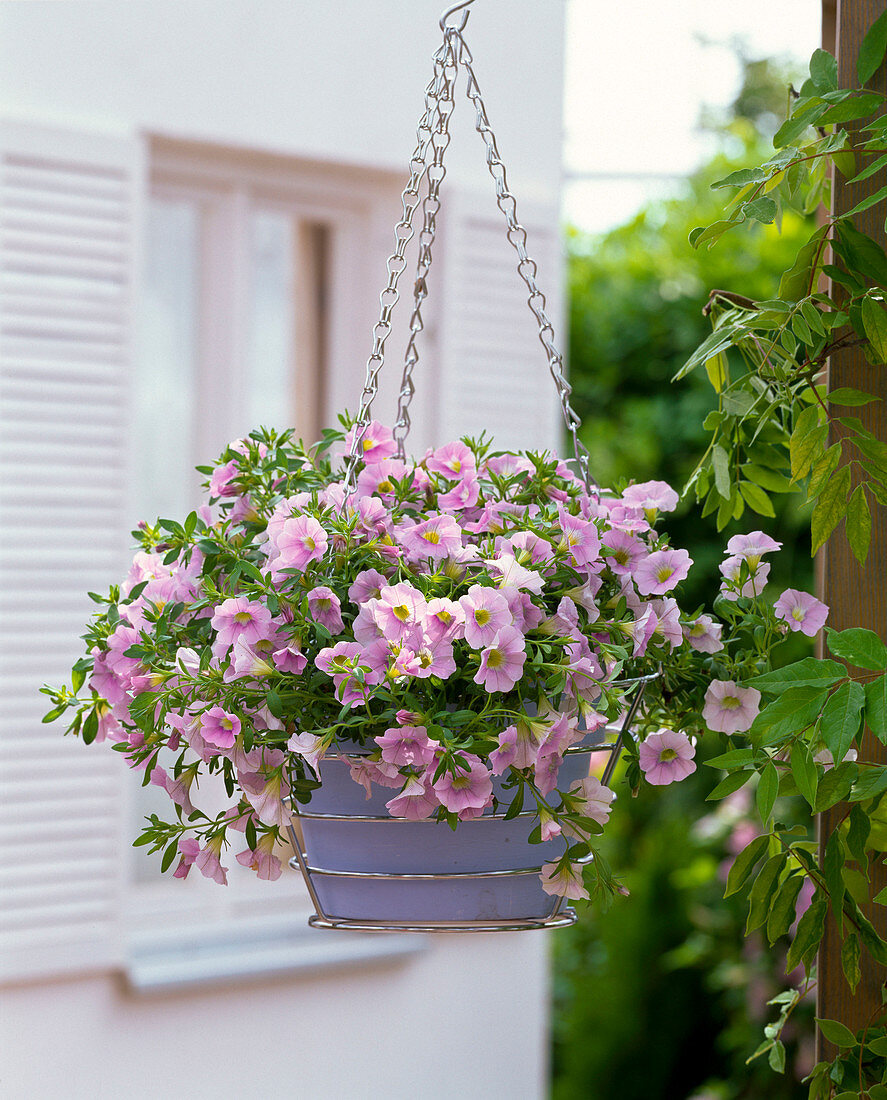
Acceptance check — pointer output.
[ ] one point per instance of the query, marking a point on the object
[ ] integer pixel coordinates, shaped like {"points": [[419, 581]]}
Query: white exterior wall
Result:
{"points": [[340, 82]]}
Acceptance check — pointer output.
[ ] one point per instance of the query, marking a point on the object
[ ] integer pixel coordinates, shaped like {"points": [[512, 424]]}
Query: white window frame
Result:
{"points": [[197, 932]]}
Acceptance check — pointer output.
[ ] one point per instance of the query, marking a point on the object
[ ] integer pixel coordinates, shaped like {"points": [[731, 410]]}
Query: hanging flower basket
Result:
{"points": [[406, 666]]}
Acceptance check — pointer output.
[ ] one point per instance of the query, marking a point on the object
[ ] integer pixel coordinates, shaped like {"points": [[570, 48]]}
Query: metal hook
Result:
{"points": [[452, 11]]}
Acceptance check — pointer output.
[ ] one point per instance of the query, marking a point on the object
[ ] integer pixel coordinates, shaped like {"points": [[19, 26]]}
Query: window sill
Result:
{"points": [[272, 952]]}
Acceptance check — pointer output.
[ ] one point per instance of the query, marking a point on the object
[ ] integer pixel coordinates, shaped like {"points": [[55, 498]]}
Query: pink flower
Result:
{"points": [[519, 746], [220, 484], [668, 625], [265, 792], [467, 790], [502, 664], [512, 575], [415, 802], [462, 496], [704, 634], [290, 659], [730, 708], [626, 550], [380, 477], [563, 880], [400, 612], [732, 570], [262, 860], [801, 611], [660, 571], [407, 745], [188, 852], [368, 584], [310, 746], [301, 541], [666, 756], [595, 799], [436, 538], [219, 728], [486, 613], [208, 863], [376, 444], [324, 607], [652, 496], [453, 461], [444, 619], [580, 537], [752, 546]]}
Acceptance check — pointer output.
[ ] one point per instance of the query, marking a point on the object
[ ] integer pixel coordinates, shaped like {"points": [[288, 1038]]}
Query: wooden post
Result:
{"points": [[857, 596]]}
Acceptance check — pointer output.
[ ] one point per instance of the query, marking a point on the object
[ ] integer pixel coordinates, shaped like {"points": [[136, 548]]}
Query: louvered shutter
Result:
{"points": [[493, 369], [69, 212]]}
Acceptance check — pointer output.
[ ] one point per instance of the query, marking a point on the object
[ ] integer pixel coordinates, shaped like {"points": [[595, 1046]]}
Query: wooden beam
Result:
{"points": [[857, 596]]}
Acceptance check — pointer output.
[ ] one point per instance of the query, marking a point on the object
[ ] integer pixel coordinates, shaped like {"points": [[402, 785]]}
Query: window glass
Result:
{"points": [[271, 320]]}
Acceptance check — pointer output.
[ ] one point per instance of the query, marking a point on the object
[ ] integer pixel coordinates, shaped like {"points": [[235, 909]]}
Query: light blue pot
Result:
{"points": [[367, 869]]}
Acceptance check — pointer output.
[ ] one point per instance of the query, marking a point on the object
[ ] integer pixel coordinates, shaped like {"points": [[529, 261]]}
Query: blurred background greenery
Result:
{"points": [[662, 998]]}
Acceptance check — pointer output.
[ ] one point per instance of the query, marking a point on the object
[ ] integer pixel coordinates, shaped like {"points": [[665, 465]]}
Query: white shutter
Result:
{"points": [[69, 212], [493, 369]]}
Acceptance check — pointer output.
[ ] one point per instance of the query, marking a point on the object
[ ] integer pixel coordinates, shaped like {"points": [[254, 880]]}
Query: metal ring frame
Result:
{"points": [[560, 914]]}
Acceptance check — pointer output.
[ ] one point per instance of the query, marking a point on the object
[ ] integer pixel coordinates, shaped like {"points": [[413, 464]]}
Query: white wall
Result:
{"points": [[340, 81]]}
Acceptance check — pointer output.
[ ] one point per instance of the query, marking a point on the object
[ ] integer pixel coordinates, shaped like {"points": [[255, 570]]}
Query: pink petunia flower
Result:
{"points": [[189, 849], [486, 613], [399, 612], [218, 727], [512, 575], [563, 881], [325, 608], [407, 745], [368, 584], [376, 444], [730, 708], [660, 571], [801, 611], [519, 746], [209, 864], [301, 541], [703, 634], [436, 538], [502, 664], [310, 746], [415, 802], [380, 477], [467, 790], [453, 461], [463, 495], [262, 860], [580, 537], [626, 550], [595, 799], [732, 570], [265, 792], [752, 546], [666, 757], [651, 496]]}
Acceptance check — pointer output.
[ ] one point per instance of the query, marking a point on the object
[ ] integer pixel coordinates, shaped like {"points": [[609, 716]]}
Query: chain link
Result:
{"points": [[433, 133], [403, 233], [526, 267], [430, 207]]}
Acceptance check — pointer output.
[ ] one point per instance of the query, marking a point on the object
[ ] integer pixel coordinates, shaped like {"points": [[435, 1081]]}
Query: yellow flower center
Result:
{"points": [[310, 544], [481, 616], [495, 658], [456, 465], [798, 614], [385, 486], [431, 536], [402, 612], [667, 754], [663, 573], [243, 617], [368, 444], [621, 557], [730, 702]]}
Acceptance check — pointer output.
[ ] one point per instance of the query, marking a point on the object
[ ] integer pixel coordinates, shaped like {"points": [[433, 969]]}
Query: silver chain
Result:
{"points": [[430, 207], [433, 131]]}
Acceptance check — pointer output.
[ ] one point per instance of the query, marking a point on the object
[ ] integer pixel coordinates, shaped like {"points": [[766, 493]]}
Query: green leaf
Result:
{"points": [[822, 470], [762, 209], [808, 672], [770, 480], [721, 464], [875, 166], [871, 783], [831, 507], [824, 70], [850, 108], [736, 758], [168, 856], [765, 795], [861, 252], [90, 727], [837, 1033], [871, 52], [742, 867], [782, 912], [858, 646], [858, 525], [791, 713], [866, 203], [876, 708], [800, 276], [841, 719], [756, 498], [729, 785], [806, 442], [858, 830], [763, 890], [844, 395], [811, 927], [874, 320], [776, 1056], [834, 785], [804, 770], [716, 369]]}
